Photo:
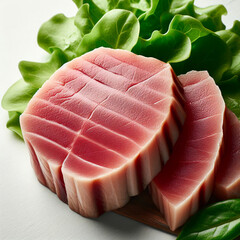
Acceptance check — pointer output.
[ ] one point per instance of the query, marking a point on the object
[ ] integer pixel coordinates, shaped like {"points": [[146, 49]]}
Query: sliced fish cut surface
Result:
{"points": [[101, 128], [227, 185], [187, 180]]}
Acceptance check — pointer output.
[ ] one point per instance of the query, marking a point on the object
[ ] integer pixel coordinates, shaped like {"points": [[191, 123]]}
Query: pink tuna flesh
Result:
{"points": [[100, 129], [227, 183], [186, 181]]}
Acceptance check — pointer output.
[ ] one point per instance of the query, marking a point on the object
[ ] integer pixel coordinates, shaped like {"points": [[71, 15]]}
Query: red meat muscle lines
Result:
{"points": [[187, 179], [102, 126]]}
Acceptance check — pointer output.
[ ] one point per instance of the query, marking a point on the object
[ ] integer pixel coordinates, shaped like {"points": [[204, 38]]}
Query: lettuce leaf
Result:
{"points": [[17, 96], [150, 20], [116, 29], [233, 42], [211, 17], [189, 26], [173, 46], [87, 16], [60, 32], [220, 221], [209, 52], [37, 73], [15, 101], [140, 6], [231, 93], [162, 12], [13, 123], [236, 27]]}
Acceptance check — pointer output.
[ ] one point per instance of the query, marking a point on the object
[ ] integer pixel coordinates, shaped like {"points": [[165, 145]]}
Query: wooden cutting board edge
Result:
{"points": [[142, 209]]}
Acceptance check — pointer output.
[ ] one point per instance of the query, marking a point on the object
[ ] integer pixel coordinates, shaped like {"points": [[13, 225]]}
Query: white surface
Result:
{"points": [[27, 209]]}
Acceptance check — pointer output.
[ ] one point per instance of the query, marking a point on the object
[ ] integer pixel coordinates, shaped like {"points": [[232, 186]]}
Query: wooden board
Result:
{"points": [[142, 209]]}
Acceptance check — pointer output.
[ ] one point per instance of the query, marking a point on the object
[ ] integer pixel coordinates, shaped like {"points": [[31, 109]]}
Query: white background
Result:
{"points": [[27, 209]]}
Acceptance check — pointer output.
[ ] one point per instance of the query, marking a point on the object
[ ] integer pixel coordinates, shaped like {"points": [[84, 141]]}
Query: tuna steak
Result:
{"points": [[228, 177], [102, 126], [187, 179]]}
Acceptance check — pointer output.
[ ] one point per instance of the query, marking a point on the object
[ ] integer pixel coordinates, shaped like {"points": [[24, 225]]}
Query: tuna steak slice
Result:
{"points": [[102, 126], [227, 184], [186, 181]]}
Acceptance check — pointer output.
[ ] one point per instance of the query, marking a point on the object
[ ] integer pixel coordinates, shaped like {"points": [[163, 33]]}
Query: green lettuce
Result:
{"points": [[209, 52], [211, 16], [231, 93], [60, 32], [15, 102], [232, 39], [17, 96], [13, 123], [173, 46], [87, 16], [220, 221], [236, 27], [116, 29], [37, 73]]}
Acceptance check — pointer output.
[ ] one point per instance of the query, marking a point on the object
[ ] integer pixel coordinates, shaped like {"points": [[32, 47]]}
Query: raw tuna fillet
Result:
{"points": [[187, 179], [228, 176], [102, 126]]}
